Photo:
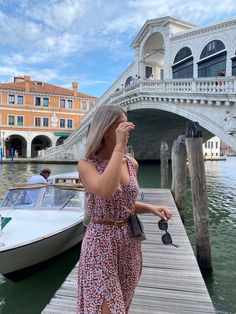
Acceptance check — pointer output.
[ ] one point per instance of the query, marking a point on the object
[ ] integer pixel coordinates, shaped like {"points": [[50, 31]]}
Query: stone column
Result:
{"points": [[28, 149]]}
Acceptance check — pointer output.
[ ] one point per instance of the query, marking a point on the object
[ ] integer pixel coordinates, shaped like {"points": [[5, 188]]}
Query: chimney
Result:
{"points": [[27, 82], [75, 88]]}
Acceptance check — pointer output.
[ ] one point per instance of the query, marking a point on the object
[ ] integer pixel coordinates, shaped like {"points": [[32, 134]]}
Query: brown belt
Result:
{"points": [[118, 222]]}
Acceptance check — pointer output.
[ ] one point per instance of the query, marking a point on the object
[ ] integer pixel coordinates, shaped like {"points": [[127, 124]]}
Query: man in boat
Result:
{"points": [[42, 177]]}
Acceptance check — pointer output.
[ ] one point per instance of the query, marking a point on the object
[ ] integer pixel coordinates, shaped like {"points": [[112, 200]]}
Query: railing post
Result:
{"points": [[164, 165], [194, 87], [140, 86], [199, 196], [234, 91]]}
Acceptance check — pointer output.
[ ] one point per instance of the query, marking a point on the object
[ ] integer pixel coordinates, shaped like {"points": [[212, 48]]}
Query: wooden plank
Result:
{"points": [[171, 281]]}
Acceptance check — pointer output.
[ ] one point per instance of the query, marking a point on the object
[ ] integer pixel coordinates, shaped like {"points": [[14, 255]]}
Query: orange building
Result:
{"points": [[35, 115]]}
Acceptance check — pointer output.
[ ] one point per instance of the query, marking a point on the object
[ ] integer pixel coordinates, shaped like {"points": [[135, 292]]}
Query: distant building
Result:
{"points": [[227, 150], [35, 115], [212, 148]]}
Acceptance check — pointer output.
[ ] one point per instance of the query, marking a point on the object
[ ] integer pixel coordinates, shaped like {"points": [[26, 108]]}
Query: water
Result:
{"points": [[31, 295], [221, 183]]}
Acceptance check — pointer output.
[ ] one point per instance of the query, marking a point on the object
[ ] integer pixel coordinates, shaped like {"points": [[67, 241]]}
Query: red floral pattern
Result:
{"points": [[111, 261]]}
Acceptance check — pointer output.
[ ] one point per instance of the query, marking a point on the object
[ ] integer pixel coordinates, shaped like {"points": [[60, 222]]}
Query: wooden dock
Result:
{"points": [[171, 281]]}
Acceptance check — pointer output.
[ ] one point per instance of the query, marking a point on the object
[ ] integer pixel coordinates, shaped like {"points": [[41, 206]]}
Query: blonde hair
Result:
{"points": [[103, 117]]}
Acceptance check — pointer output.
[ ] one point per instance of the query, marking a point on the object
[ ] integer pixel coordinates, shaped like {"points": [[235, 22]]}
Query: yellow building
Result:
{"points": [[35, 115]]}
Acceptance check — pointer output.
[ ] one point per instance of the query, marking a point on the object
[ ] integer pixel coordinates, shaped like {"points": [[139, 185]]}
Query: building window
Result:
{"points": [[216, 145], [37, 121], [212, 47], [37, 101], [45, 102], [62, 123], [11, 120], [209, 144], [84, 105], [20, 100], [11, 99], [183, 64], [206, 145], [69, 124], [69, 104], [214, 59], [91, 105], [148, 72], [234, 66], [20, 120], [45, 122], [129, 81], [62, 103]]}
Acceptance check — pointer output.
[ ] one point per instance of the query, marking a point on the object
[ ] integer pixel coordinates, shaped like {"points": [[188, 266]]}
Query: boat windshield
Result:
{"points": [[60, 198], [22, 198]]}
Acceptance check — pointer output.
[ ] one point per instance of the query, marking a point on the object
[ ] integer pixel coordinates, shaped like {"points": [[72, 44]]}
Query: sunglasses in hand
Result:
{"points": [[166, 238]]}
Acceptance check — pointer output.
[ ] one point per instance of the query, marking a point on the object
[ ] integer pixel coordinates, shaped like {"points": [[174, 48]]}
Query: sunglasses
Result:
{"points": [[166, 238]]}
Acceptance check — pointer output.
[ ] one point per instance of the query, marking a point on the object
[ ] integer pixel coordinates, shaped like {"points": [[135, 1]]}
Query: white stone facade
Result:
{"points": [[210, 100], [212, 148]]}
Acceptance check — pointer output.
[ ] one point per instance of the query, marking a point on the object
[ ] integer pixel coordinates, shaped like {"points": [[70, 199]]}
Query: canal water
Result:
{"points": [[32, 294]]}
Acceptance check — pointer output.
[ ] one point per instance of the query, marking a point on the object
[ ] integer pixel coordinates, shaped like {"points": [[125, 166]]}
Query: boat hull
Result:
{"points": [[25, 256]]}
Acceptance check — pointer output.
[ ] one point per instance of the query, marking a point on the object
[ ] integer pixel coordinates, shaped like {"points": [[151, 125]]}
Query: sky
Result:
{"points": [[86, 41]]}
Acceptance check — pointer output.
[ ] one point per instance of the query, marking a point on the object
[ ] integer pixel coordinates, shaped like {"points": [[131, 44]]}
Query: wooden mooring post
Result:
{"points": [[194, 143], [179, 174], [164, 156]]}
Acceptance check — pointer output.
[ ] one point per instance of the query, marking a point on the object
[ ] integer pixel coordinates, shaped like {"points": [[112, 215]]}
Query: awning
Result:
{"points": [[62, 134]]}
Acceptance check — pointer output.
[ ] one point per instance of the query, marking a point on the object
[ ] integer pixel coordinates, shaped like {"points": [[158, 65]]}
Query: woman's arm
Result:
{"points": [[106, 184], [162, 211]]}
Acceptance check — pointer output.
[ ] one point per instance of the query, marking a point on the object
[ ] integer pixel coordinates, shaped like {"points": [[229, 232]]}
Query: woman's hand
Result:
{"points": [[162, 211], [122, 133]]}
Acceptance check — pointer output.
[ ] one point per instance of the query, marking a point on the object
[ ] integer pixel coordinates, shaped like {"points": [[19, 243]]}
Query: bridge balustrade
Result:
{"points": [[194, 91], [216, 85]]}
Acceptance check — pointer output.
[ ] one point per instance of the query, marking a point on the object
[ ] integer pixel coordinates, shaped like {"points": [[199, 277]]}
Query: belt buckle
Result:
{"points": [[118, 222]]}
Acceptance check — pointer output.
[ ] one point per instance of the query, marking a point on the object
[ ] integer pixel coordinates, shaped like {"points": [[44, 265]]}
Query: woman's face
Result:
{"points": [[110, 135]]}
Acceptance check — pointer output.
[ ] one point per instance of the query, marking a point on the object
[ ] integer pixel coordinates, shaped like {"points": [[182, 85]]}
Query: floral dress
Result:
{"points": [[111, 261]]}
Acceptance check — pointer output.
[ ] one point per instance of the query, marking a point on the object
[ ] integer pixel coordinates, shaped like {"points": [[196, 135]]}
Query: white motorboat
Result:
{"points": [[39, 222]]}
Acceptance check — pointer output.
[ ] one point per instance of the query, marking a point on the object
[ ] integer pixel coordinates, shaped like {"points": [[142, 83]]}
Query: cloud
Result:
{"points": [[61, 38], [73, 26]]}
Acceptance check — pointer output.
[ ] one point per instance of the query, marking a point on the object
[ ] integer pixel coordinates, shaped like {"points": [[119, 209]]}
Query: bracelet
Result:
{"points": [[118, 150]]}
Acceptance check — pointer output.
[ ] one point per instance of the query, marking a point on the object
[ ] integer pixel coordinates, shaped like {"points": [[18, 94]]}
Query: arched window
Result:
{"points": [[183, 64], [129, 81], [234, 65], [212, 59], [182, 54]]}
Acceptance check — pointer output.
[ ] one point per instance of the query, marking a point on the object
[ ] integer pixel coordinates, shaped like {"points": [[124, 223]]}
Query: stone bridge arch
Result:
{"points": [[157, 122]]}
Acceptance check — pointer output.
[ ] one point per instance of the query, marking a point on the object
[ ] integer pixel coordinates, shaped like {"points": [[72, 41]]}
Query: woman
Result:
{"points": [[111, 261]]}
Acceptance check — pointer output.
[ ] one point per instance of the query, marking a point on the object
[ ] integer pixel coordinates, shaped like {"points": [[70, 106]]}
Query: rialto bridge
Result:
{"points": [[180, 72], [160, 110]]}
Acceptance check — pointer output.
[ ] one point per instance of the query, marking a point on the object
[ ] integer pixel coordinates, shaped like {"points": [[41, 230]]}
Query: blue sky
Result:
{"points": [[87, 41]]}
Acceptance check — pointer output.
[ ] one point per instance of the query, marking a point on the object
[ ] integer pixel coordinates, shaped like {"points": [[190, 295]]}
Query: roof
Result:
{"points": [[158, 22], [42, 88]]}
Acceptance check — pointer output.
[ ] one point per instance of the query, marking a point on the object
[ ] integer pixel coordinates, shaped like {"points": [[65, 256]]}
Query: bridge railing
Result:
{"points": [[205, 86], [216, 85], [59, 152]]}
